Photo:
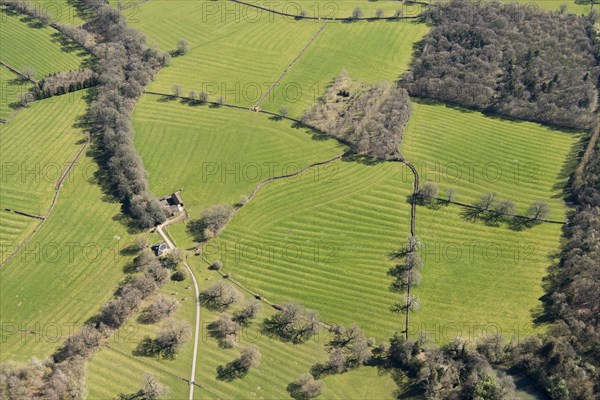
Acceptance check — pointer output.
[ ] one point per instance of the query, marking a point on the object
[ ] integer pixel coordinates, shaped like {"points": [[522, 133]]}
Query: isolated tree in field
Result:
{"points": [[399, 13], [408, 304], [247, 314], [450, 194], [182, 47], [306, 387], [428, 192], [193, 95], [293, 323], [538, 210], [220, 296], [172, 335], [225, 330], [250, 357], [352, 343], [379, 13], [283, 110], [302, 14], [179, 275], [357, 13], [153, 388], [216, 265], [220, 100], [162, 307]]}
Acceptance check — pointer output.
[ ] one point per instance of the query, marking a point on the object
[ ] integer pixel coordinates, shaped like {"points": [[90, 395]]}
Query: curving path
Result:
{"points": [[169, 242]]}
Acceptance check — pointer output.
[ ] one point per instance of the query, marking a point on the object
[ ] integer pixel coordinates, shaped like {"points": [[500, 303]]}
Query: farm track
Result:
{"points": [[290, 65], [44, 217]]}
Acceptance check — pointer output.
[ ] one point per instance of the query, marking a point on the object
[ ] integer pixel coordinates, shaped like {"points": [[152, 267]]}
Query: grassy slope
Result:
{"points": [[40, 48], [11, 88], [475, 154], [228, 55], [324, 241], [36, 146], [380, 51], [65, 274], [195, 147], [281, 362]]}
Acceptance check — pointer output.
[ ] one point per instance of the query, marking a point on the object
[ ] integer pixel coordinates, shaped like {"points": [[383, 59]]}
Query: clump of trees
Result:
{"points": [[504, 58], [211, 222], [406, 275], [162, 307], [225, 329], [249, 313], [370, 119], [306, 387], [172, 335], [348, 348], [220, 296], [293, 323], [456, 371]]}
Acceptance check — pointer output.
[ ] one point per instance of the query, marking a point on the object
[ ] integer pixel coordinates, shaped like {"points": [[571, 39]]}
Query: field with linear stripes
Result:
{"points": [[41, 48], [325, 237]]}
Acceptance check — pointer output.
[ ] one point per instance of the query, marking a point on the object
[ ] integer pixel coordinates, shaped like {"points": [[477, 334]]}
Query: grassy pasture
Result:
{"points": [[218, 155], [370, 51], [475, 154], [24, 45], [229, 55], [36, 147], [14, 228], [324, 239], [66, 273], [478, 279], [115, 370], [11, 88]]}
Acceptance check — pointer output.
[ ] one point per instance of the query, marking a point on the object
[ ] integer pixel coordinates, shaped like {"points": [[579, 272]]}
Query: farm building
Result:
{"points": [[160, 248], [173, 203]]}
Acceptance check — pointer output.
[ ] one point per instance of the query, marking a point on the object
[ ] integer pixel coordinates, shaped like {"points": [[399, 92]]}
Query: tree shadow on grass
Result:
{"points": [[231, 371]]}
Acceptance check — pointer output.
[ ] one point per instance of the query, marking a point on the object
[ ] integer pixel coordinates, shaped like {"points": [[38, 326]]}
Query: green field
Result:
{"points": [[36, 146], [378, 51], [11, 88], [281, 363], [324, 240], [475, 154], [37, 47], [66, 273], [218, 155], [14, 228]]}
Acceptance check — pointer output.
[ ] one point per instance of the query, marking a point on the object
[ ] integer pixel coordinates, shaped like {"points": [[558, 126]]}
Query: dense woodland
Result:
{"points": [[502, 58], [370, 119]]}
